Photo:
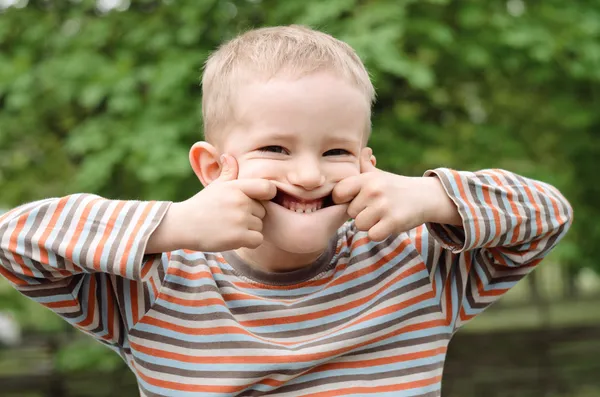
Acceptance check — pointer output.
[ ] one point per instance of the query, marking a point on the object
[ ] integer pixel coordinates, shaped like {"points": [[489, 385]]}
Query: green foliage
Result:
{"points": [[81, 355], [110, 103], [31, 316]]}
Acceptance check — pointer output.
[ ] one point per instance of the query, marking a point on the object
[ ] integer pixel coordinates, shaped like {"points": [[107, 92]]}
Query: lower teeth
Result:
{"points": [[306, 211]]}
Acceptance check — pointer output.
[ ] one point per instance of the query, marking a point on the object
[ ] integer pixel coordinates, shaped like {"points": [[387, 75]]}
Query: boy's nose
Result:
{"points": [[307, 175]]}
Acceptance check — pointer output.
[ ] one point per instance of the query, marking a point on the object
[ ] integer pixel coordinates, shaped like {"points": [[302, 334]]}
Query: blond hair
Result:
{"points": [[266, 52]]}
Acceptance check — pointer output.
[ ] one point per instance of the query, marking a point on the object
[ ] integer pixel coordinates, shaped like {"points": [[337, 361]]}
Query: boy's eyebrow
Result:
{"points": [[280, 135], [330, 140], [283, 135], [342, 140]]}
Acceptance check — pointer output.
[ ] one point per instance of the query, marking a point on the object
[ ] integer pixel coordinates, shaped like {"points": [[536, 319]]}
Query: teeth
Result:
{"points": [[302, 208]]}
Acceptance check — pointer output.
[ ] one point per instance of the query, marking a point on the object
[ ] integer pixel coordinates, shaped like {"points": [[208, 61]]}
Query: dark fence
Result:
{"points": [[535, 363]]}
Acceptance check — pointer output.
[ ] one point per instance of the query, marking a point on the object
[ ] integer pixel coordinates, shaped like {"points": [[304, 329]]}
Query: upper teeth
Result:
{"points": [[303, 208]]}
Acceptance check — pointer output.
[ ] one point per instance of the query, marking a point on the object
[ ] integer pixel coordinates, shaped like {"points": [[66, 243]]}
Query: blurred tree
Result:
{"points": [[108, 100]]}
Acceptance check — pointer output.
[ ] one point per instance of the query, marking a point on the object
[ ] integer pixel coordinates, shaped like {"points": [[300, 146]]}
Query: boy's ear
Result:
{"points": [[204, 159]]}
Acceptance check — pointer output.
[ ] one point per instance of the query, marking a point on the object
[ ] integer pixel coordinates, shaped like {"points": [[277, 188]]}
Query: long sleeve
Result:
{"points": [[510, 223], [82, 256]]}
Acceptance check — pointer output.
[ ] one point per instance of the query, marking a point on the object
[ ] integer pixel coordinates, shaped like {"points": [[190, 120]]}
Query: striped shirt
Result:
{"points": [[367, 318]]}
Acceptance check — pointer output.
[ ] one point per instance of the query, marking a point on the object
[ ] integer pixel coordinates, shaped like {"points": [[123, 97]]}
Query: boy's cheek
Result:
{"points": [[343, 171], [268, 169], [258, 168]]}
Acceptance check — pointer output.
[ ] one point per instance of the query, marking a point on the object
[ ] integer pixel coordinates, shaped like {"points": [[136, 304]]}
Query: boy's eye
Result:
{"points": [[274, 149], [336, 152]]}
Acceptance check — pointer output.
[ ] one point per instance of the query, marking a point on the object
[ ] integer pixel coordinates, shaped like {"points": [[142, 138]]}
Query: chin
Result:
{"points": [[302, 233]]}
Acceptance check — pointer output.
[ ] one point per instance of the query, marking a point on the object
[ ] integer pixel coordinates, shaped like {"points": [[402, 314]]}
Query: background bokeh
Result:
{"points": [[104, 97]]}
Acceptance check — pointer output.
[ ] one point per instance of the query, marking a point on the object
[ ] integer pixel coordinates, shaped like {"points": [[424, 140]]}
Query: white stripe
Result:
{"points": [[345, 385], [98, 233]]}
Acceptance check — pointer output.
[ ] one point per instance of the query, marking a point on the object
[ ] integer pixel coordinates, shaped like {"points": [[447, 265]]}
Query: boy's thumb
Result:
{"points": [[229, 169], [367, 161]]}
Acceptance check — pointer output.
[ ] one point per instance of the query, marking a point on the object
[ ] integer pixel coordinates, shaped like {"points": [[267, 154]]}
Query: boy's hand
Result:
{"points": [[383, 203], [225, 215]]}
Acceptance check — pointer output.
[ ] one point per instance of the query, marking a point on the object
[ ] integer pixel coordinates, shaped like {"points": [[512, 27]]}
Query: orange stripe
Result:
{"points": [[499, 258], [90, 310], [380, 361], [272, 359], [239, 330], [133, 297], [79, 229], [464, 316], [337, 309], [190, 388], [359, 242], [132, 236], [146, 267], [110, 224], [110, 313], [179, 272], [419, 239], [515, 211], [538, 212], [553, 201], [343, 279], [13, 243], [154, 289], [272, 382], [192, 302], [377, 389], [42, 242], [61, 304], [323, 281], [481, 288], [463, 195], [13, 278], [487, 198], [192, 330], [375, 266], [554, 205], [448, 300], [6, 214]]}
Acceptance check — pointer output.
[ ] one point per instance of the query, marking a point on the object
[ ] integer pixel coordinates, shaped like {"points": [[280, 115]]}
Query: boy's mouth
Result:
{"points": [[299, 205]]}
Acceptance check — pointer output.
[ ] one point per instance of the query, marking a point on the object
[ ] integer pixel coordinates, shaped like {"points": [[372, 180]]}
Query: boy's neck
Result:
{"points": [[271, 259]]}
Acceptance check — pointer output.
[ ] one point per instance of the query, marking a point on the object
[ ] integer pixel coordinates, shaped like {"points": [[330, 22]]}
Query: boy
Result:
{"points": [[258, 285]]}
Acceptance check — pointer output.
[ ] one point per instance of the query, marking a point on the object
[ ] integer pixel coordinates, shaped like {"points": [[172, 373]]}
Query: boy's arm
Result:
{"points": [[82, 255], [509, 224]]}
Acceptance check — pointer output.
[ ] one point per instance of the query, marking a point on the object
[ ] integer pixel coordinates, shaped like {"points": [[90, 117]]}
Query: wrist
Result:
{"points": [[168, 234], [439, 206]]}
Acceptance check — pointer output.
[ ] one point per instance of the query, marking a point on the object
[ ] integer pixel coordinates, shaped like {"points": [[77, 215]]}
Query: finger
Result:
{"points": [[367, 161], [257, 209], [229, 169], [357, 205], [257, 189], [346, 189], [255, 223], [252, 239], [367, 219], [380, 231]]}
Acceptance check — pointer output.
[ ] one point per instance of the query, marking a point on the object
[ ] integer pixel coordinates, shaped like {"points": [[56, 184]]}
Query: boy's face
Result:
{"points": [[305, 135]]}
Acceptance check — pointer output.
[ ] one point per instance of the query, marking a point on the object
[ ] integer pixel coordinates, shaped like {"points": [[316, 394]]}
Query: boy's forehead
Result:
{"points": [[321, 94], [318, 106]]}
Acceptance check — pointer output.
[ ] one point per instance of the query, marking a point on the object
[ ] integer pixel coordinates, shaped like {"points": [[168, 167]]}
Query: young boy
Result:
{"points": [[258, 285]]}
